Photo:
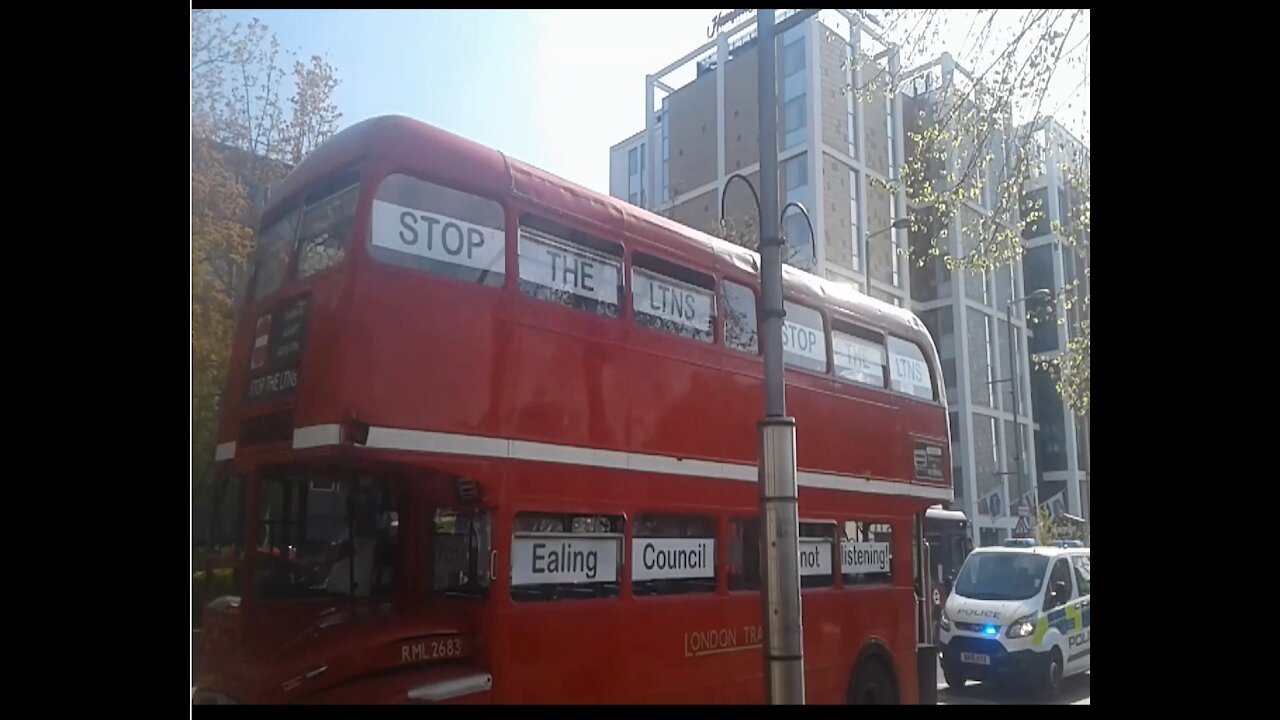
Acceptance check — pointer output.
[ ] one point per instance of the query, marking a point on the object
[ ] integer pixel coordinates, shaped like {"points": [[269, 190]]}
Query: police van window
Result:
{"points": [[859, 354], [558, 556], [804, 340], [673, 299], [744, 554], [460, 553], [908, 372], [1081, 565], [673, 554], [435, 229], [740, 318], [817, 554], [569, 267], [866, 553], [1061, 574]]}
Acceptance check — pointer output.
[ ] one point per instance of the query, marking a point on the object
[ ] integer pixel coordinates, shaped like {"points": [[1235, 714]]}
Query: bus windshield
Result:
{"points": [[1001, 576], [306, 536]]}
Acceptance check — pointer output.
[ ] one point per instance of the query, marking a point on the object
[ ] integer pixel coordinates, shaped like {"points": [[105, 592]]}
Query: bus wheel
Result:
{"points": [[872, 685], [1051, 679]]}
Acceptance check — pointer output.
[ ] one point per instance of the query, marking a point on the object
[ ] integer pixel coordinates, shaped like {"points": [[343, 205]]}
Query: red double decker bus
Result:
{"points": [[490, 437]]}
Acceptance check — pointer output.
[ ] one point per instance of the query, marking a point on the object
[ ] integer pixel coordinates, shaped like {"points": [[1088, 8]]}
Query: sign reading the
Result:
{"points": [[567, 269], [437, 237], [687, 305], [815, 556], [540, 558], [928, 461], [862, 558], [672, 558], [857, 359]]}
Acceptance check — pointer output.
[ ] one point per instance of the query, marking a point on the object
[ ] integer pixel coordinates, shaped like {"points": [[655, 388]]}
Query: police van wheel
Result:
{"points": [[1051, 684], [954, 679]]}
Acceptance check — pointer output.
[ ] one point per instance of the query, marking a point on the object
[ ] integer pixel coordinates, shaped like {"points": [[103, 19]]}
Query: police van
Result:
{"points": [[1018, 616]]}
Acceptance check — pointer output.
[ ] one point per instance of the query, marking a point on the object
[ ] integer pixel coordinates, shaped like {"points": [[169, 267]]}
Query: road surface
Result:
{"points": [[1075, 691]]}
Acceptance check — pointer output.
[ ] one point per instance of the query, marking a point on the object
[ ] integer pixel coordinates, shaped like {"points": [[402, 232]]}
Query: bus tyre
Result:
{"points": [[1051, 676], [872, 685]]}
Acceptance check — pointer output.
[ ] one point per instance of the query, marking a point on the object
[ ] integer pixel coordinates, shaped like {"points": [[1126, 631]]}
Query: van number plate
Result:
{"points": [[975, 659]]}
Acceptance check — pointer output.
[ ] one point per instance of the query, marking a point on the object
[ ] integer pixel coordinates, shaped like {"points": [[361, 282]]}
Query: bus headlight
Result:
{"points": [[1021, 628], [944, 622]]}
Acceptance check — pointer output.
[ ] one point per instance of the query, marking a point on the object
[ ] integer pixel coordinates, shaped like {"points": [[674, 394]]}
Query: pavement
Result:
{"points": [[1075, 691]]}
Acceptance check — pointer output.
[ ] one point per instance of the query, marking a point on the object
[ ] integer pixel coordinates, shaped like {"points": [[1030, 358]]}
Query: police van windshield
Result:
{"points": [[1001, 576]]}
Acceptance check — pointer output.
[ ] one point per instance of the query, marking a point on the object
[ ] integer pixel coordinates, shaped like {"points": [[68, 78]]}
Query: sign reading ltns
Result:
{"points": [[437, 237], [553, 265], [909, 375], [860, 558], [542, 558], [687, 305], [673, 558]]}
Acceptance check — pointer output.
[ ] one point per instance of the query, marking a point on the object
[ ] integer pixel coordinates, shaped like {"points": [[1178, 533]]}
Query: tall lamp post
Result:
{"points": [[899, 224], [1012, 379]]}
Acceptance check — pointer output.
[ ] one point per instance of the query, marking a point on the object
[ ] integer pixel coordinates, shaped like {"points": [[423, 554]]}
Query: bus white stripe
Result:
{"points": [[480, 446]]}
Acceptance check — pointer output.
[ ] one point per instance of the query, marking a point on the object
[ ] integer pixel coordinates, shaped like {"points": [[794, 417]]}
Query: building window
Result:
{"points": [[888, 115], [855, 190], [1035, 213], [793, 59], [795, 114], [633, 161], [796, 172]]}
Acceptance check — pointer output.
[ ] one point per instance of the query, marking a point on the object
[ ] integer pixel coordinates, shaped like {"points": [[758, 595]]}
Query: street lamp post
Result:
{"points": [[1041, 294], [899, 224], [779, 530]]}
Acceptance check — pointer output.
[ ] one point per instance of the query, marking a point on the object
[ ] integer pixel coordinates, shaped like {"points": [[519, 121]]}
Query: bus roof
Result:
{"points": [[938, 513], [471, 166]]}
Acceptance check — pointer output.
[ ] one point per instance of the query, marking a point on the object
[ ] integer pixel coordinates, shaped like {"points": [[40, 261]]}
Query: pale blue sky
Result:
{"points": [[554, 88]]}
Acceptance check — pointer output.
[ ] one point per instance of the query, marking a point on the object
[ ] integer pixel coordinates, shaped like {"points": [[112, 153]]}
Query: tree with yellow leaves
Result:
{"points": [[245, 134]]}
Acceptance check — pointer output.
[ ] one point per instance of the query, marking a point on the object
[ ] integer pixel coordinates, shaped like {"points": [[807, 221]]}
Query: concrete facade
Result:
{"points": [[837, 152]]}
